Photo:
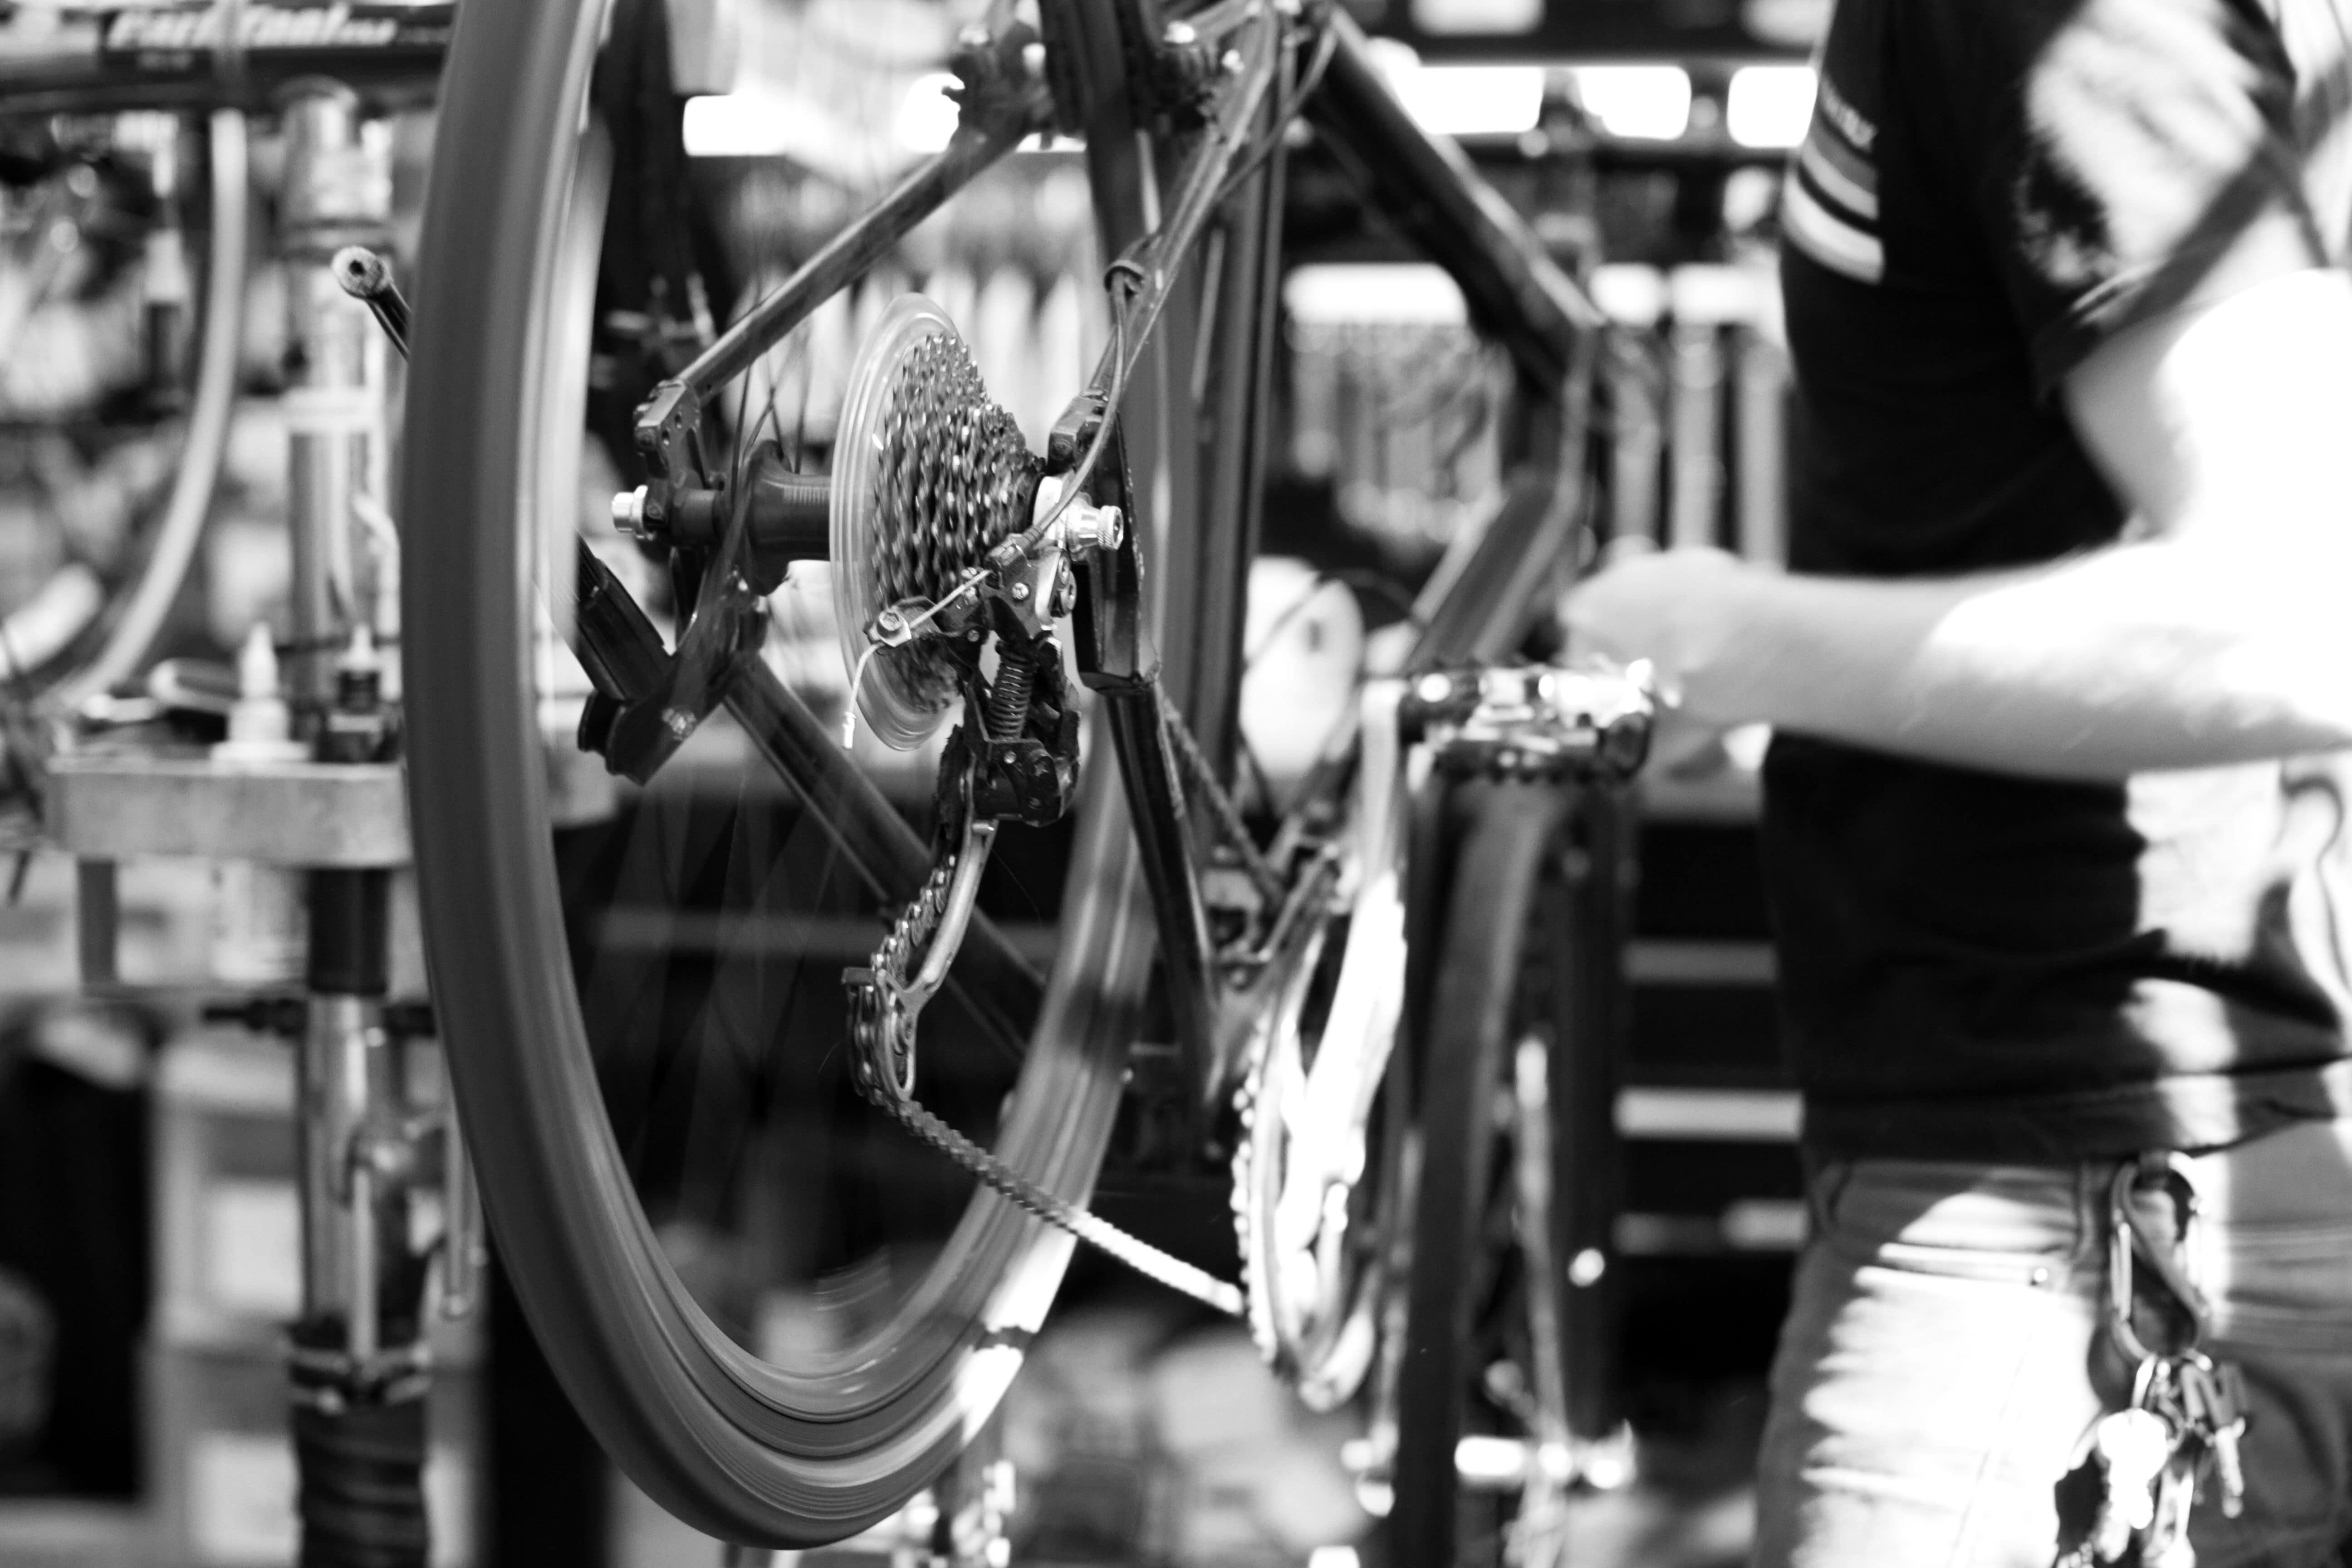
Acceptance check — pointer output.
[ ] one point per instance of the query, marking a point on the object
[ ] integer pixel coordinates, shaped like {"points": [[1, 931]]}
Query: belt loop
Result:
{"points": [[2091, 1178]]}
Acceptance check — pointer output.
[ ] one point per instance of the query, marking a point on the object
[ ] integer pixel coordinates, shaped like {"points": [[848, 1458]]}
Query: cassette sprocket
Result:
{"points": [[927, 474]]}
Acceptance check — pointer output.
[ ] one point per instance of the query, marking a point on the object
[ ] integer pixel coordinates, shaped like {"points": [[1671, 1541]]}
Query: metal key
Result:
{"points": [[2134, 1447], [2213, 1402], [2167, 1545]]}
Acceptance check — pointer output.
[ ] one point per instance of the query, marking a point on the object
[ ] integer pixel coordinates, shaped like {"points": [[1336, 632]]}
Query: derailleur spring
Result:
{"points": [[1008, 697]]}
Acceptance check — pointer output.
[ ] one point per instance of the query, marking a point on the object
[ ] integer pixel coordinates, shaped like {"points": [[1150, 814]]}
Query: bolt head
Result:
{"points": [[1020, 592], [679, 721], [887, 618], [629, 509], [1435, 688], [1180, 35]]}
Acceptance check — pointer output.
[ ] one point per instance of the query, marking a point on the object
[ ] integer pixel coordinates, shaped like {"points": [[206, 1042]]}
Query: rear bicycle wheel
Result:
{"points": [[658, 1092], [1498, 1388]]}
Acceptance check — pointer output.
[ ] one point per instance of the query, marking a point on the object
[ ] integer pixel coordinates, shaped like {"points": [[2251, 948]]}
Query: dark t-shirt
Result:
{"points": [[1976, 964]]}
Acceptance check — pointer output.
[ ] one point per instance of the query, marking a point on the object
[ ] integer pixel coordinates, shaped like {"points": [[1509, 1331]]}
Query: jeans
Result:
{"points": [[1946, 1355]]}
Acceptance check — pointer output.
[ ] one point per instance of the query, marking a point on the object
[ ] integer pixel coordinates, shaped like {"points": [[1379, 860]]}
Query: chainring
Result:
{"points": [[1312, 1232]]}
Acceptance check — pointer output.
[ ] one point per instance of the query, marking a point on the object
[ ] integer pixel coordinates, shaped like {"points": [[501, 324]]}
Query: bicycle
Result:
{"points": [[798, 1414]]}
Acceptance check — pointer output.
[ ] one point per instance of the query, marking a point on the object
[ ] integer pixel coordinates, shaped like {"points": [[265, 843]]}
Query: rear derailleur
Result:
{"points": [[1014, 756]]}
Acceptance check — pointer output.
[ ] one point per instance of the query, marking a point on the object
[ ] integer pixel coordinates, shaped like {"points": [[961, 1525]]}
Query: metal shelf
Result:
{"points": [[117, 806]]}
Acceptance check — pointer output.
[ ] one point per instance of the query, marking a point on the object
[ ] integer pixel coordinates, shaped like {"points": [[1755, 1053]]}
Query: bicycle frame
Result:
{"points": [[1515, 292]]}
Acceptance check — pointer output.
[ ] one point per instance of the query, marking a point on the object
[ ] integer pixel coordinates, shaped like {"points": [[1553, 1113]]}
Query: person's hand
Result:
{"points": [[1681, 610]]}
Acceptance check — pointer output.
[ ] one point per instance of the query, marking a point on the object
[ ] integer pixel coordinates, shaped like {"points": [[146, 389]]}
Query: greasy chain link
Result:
{"points": [[890, 1052]]}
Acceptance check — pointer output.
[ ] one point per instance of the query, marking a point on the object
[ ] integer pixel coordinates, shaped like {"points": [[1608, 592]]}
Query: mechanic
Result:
{"points": [[2056, 845]]}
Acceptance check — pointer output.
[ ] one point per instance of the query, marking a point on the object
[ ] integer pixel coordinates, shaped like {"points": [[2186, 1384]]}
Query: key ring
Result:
{"points": [[2166, 1259]]}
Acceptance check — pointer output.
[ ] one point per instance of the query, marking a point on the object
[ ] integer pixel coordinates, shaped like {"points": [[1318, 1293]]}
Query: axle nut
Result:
{"points": [[629, 510]]}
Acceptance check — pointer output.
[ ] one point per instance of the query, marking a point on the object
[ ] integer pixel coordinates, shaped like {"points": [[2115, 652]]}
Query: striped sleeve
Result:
{"points": [[1829, 204]]}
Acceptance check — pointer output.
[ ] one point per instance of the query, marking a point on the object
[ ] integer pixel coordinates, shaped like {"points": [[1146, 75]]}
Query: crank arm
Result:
{"points": [[1363, 1016]]}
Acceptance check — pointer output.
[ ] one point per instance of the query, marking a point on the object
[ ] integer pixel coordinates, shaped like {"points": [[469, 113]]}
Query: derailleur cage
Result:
{"points": [[886, 997]]}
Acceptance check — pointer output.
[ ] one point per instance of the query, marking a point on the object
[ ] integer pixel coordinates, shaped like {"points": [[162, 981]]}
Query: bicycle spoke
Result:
{"points": [[980, 139], [992, 981]]}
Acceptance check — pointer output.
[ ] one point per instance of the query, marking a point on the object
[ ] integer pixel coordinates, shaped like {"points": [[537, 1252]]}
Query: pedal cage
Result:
{"points": [[1588, 722]]}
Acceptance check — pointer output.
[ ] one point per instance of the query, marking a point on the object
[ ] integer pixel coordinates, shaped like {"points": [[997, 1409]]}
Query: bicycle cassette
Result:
{"points": [[927, 474]]}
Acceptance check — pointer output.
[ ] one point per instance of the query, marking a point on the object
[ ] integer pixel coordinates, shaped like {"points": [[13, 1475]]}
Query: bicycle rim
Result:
{"points": [[783, 1447]]}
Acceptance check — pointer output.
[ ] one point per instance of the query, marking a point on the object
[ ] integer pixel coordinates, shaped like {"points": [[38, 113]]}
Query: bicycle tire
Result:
{"points": [[733, 1446], [1517, 957]]}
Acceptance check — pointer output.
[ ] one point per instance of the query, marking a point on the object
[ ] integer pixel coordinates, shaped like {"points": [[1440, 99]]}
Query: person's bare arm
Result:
{"points": [[2223, 636]]}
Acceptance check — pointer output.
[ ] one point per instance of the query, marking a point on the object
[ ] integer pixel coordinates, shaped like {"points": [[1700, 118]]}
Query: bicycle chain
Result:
{"points": [[1222, 812], [1100, 1234], [894, 1092], [952, 478], [889, 1053]]}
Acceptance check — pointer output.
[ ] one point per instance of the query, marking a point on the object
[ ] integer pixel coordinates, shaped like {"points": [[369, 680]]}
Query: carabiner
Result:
{"points": [[2166, 1258]]}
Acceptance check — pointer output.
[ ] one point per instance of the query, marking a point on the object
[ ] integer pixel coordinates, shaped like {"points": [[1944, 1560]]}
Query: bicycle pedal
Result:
{"points": [[1589, 722]]}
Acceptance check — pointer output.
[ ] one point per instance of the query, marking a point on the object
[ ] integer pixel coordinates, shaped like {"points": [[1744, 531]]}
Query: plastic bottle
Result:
{"points": [[260, 929]]}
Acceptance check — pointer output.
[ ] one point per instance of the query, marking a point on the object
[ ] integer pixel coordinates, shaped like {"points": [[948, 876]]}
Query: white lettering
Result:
{"points": [[1844, 116], [261, 28]]}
